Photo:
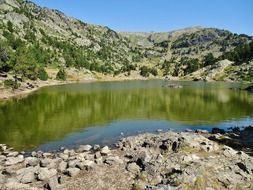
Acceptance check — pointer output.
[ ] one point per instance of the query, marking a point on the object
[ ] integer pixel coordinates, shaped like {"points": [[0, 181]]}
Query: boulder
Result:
{"points": [[105, 151], [13, 154], [32, 161], [113, 159], [52, 183], [87, 164], [72, 172], [218, 130], [73, 163], [85, 148], [27, 177], [133, 168], [62, 166], [46, 174], [14, 160]]}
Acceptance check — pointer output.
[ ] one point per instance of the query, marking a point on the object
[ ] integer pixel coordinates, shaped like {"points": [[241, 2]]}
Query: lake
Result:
{"points": [[102, 112]]}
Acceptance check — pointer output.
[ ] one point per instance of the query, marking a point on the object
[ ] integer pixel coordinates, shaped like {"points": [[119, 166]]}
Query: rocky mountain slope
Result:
{"points": [[33, 39]]}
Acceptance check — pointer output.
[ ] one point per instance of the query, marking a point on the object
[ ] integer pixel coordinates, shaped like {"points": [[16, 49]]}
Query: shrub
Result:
{"points": [[42, 74], [144, 71], [154, 72], [61, 75], [9, 83]]}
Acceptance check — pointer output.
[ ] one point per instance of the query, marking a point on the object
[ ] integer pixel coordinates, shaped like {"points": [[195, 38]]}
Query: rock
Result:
{"points": [[190, 158], [201, 131], [64, 156], [87, 164], [159, 130], [13, 184], [97, 155], [32, 161], [52, 183], [218, 130], [96, 147], [85, 148], [13, 154], [73, 163], [113, 159], [82, 156], [27, 177], [228, 151], [14, 160], [46, 154], [105, 151], [62, 166], [243, 167], [72, 172], [46, 174], [99, 160], [45, 162], [133, 168]]}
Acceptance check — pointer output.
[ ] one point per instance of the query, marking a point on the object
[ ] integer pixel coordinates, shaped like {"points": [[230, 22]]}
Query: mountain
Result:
{"points": [[34, 39]]}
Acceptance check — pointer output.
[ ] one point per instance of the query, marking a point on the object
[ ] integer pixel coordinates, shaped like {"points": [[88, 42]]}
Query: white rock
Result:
{"points": [[14, 160], [85, 148], [72, 172], [45, 174], [105, 150], [62, 166], [32, 161]]}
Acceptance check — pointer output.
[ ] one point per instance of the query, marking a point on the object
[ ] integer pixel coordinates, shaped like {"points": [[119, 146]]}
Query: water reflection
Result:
{"points": [[54, 112]]}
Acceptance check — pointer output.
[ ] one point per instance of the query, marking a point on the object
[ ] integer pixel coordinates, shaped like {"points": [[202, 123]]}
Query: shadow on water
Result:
{"points": [[53, 113]]}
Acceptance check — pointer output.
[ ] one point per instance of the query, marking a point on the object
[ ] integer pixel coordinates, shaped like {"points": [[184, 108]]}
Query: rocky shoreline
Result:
{"points": [[167, 160]]}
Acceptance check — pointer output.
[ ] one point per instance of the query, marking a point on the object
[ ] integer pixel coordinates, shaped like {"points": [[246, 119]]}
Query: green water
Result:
{"points": [[98, 112]]}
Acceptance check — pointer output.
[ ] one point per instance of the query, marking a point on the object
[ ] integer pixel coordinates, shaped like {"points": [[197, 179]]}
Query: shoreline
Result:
{"points": [[166, 160], [7, 94]]}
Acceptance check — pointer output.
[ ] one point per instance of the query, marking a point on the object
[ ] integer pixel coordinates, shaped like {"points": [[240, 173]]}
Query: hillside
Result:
{"points": [[35, 41]]}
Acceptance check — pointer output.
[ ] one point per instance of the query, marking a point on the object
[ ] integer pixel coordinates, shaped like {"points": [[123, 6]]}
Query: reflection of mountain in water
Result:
{"points": [[52, 113]]}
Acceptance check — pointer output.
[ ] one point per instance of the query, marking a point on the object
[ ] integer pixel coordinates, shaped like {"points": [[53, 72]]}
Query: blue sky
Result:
{"points": [[159, 15]]}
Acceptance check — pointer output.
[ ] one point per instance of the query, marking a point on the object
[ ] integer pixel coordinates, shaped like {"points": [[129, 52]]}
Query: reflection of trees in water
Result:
{"points": [[51, 115]]}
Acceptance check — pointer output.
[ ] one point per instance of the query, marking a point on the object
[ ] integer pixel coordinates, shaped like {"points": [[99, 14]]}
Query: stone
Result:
{"points": [[113, 159], [85, 148], [45, 162], [46, 174], [52, 183], [133, 168], [87, 164], [46, 154], [72, 172], [201, 131], [14, 160], [96, 147], [62, 166], [99, 160], [243, 167], [27, 177], [216, 130], [73, 163], [32, 161], [228, 151], [191, 158], [13, 184], [12, 154], [81, 156], [105, 151], [97, 155], [64, 156]]}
